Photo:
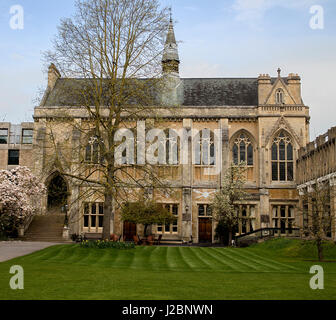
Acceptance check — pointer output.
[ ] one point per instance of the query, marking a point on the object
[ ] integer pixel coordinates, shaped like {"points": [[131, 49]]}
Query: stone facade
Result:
{"points": [[16, 145], [263, 121], [317, 163]]}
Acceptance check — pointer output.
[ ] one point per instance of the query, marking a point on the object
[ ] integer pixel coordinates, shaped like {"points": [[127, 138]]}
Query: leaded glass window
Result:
{"points": [[282, 158], [242, 150]]}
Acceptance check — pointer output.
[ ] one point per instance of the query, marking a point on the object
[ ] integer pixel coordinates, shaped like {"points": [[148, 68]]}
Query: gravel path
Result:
{"points": [[13, 249]]}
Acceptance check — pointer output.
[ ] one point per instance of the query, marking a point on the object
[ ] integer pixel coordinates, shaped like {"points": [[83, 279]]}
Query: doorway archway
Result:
{"points": [[57, 191]]}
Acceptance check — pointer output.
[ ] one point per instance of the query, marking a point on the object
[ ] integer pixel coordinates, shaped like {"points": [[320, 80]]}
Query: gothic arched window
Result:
{"points": [[172, 147], [242, 150], [282, 158], [205, 153], [279, 96], [92, 151]]}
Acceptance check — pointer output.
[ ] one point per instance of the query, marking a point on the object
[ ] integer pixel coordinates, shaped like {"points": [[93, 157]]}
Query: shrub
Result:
{"points": [[104, 244], [18, 201]]}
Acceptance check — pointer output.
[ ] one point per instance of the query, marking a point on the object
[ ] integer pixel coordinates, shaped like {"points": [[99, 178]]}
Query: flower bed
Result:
{"points": [[104, 244]]}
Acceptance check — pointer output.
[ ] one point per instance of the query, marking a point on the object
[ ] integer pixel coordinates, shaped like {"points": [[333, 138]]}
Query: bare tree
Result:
{"points": [[109, 55], [317, 213], [225, 200]]}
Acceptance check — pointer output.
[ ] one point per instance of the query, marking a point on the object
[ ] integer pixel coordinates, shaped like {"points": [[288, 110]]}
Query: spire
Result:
{"points": [[170, 59]]}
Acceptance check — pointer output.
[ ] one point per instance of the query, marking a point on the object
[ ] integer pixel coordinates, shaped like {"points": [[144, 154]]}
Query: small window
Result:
{"points": [[27, 136], [204, 210], [279, 97], [92, 152], [13, 157], [93, 217], [201, 210], [172, 227], [3, 136]]}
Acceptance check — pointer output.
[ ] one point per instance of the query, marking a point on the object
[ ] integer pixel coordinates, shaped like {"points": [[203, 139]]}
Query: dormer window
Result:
{"points": [[279, 96]]}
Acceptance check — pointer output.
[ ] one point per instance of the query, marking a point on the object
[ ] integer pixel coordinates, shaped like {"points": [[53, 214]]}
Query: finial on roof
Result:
{"points": [[171, 14], [279, 72]]}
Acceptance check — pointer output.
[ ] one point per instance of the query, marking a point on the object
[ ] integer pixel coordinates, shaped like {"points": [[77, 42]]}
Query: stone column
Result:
{"points": [[264, 209], [248, 214], [187, 175], [186, 214], [39, 158], [224, 126], [75, 221]]}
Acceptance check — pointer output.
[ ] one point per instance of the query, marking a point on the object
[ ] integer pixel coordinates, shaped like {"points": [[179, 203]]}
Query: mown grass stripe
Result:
{"points": [[218, 263], [204, 258], [63, 254], [173, 262], [46, 254], [155, 259], [272, 260], [193, 260], [226, 253], [200, 263], [183, 257], [78, 256], [266, 265]]}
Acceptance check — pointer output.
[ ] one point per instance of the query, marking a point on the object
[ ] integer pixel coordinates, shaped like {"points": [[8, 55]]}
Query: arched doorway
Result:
{"points": [[57, 192]]}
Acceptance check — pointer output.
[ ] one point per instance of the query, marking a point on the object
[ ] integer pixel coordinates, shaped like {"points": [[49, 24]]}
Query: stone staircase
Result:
{"points": [[46, 228]]}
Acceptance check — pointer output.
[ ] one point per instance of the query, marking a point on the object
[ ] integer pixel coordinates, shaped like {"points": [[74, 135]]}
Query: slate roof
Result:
{"points": [[221, 92], [196, 92], [80, 92]]}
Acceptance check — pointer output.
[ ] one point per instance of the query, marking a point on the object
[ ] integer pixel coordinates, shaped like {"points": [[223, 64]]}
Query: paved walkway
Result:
{"points": [[13, 249]]}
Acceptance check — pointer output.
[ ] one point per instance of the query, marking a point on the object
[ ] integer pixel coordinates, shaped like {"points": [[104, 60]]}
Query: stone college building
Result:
{"points": [[263, 121]]}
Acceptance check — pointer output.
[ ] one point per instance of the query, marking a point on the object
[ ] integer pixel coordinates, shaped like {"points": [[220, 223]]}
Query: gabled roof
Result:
{"points": [[195, 92]]}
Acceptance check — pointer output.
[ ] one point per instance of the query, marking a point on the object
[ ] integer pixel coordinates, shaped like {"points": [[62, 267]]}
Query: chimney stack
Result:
{"points": [[53, 76], [294, 87], [264, 88]]}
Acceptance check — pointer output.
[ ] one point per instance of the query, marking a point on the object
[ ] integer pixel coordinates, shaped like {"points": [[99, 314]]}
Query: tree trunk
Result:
{"points": [[108, 204], [230, 237], [108, 208], [145, 230]]}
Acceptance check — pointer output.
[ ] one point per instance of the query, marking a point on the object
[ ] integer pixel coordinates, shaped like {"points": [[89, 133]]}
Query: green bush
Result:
{"points": [[103, 244]]}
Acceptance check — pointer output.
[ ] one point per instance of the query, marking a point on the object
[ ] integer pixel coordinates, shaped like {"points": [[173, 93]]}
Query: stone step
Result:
{"points": [[54, 240], [177, 242], [36, 235], [42, 229], [44, 239], [47, 228]]}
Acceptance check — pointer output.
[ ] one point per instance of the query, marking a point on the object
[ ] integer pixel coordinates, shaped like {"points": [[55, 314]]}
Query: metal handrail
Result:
{"points": [[266, 232]]}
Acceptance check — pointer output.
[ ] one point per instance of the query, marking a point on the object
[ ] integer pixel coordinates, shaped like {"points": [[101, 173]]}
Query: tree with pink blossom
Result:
{"points": [[19, 194]]}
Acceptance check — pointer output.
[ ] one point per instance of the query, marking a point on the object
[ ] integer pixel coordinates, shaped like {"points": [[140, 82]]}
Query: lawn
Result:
{"points": [[277, 269]]}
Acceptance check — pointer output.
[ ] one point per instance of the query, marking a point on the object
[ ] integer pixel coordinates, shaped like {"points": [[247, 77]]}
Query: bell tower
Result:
{"points": [[170, 59]]}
